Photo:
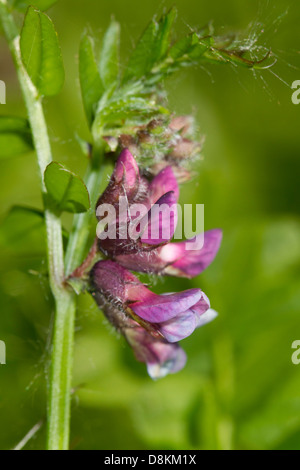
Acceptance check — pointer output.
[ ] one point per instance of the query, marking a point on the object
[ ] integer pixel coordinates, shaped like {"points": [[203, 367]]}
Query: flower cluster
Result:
{"points": [[152, 324]]}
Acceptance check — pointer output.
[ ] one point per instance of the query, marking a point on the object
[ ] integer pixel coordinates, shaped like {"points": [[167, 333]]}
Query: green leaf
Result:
{"points": [[181, 47], [164, 33], [199, 47], [90, 81], [190, 48], [109, 56], [41, 53], [43, 5], [129, 109], [15, 136], [65, 190], [144, 55]]}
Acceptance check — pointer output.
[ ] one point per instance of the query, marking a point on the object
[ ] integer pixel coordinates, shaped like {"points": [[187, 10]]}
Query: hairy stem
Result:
{"points": [[61, 373], [62, 349]]}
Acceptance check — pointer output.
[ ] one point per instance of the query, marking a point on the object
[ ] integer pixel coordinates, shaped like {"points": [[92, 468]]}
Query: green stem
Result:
{"points": [[59, 402], [63, 336]]}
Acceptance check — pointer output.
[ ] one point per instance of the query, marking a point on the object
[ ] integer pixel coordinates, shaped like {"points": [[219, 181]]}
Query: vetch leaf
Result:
{"points": [[31, 44], [190, 48], [164, 32], [199, 47], [90, 81], [109, 56], [41, 53], [181, 47], [129, 109], [15, 136], [144, 55], [65, 190]]}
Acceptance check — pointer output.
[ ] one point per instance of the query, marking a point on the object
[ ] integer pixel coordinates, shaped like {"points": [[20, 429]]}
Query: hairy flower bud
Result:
{"points": [[160, 143], [136, 215]]}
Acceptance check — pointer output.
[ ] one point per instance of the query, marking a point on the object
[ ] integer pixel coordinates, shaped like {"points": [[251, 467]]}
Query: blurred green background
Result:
{"points": [[239, 389]]}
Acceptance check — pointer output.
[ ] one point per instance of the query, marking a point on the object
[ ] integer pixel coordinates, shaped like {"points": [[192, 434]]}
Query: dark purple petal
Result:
{"points": [[125, 181], [142, 261], [126, 170], [126, 193], [117, 284], [160, 308], [161, 221]]}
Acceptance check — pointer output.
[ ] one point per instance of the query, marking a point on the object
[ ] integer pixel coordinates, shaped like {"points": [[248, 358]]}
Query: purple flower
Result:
{"points": [[143, 215], [162, 357], [144, 219], [160, 320], [176, 259]]}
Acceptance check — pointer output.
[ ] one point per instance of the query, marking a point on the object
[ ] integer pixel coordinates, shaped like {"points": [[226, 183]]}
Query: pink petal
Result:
{"points": [[126, 170], [191, 263], [160, 308], [161, 221], [202, 305], [183, 325], [164, 182]]}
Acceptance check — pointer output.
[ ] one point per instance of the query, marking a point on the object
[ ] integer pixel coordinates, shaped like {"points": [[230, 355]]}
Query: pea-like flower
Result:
{"points": [[150, 322], [137, 219], [134, 215]]}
